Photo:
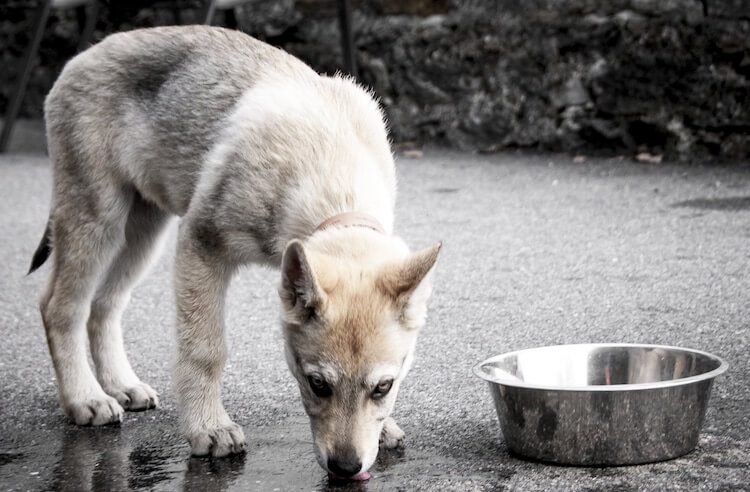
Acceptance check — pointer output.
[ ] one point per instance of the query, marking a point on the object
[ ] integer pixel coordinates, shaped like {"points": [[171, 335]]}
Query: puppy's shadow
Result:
{"points": [[726, 204]]}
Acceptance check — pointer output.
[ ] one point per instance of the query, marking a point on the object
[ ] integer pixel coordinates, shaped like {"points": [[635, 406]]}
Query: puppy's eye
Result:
{"points": [[319, 386], [382, 389]]}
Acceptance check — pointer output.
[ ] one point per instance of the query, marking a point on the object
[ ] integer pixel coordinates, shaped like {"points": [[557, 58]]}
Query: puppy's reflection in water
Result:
{"points": [[92, 459], [213, 474], [334, 485], [382, 474], [104, 459]]}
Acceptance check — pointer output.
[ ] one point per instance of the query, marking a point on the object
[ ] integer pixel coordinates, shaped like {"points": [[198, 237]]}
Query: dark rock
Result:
{"points": [[730, 9], [413, 7]]}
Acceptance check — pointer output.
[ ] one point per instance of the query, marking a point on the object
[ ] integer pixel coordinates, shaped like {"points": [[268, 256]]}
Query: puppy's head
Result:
{"points": [[350, 331]]}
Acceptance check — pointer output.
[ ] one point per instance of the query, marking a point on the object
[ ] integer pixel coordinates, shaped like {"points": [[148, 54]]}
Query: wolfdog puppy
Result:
{"points": [[266, 162]]}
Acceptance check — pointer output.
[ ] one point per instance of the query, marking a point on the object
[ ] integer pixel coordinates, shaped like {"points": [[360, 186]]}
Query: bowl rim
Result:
{"points": [[723, 366]]}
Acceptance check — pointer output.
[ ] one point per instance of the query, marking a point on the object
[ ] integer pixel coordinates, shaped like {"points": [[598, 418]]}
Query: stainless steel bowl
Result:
{"points": [[601, 404]]}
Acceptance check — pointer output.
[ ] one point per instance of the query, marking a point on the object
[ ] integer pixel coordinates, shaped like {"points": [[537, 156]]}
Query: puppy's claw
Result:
{"points": [[200, 445], [135, 398], [392, 436], [95, 410], [219, 441]]}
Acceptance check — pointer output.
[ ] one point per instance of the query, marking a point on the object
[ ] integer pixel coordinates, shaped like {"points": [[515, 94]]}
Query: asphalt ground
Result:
{"points": [[538, 250]]}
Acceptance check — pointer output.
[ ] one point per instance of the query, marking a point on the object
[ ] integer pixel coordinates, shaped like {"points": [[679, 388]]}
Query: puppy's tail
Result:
{"points": [[43, 250]]}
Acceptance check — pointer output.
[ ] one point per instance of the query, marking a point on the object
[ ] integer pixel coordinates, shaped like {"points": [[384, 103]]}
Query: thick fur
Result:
{"points": [[253, 150]]}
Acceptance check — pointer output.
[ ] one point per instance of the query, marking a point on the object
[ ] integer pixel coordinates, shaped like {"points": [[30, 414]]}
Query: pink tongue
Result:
{"points": [[360, 477], [363, 475]]}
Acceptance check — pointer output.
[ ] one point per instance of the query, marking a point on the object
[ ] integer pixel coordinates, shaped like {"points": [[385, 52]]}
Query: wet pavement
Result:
{"points": [[538, 250]]}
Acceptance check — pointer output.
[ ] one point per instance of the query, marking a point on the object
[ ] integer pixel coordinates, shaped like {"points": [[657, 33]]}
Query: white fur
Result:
{"points": [[254, 150]]}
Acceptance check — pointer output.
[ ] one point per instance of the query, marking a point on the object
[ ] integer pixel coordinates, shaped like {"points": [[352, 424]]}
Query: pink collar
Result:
{"points": [[352, 219]]}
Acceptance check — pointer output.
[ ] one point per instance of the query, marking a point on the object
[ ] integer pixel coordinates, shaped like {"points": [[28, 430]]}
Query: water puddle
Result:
{"points": [[153, 457]]}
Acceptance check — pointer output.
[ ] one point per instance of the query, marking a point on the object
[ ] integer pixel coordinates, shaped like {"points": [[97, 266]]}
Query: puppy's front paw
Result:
{"points": [[93, 409], [218, 441], [392, 436], [134, 397]]}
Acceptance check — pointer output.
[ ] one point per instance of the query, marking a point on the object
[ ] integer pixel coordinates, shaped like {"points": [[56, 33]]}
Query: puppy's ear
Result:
{"points": [[407, 283], [300, 293]]}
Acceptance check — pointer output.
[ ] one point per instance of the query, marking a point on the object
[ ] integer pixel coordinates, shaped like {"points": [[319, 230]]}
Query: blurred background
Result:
{"points": [[650, 79]]}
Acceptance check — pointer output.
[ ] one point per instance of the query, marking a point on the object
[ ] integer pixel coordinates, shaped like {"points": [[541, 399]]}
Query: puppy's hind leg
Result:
{"points": [[87, 231], [143, 231]]}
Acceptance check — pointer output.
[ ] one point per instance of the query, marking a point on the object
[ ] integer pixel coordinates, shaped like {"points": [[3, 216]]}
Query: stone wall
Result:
{"points": [[668, 77]]}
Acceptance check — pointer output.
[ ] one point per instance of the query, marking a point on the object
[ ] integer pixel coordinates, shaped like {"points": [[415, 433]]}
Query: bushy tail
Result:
{"points": [[43, 250]]}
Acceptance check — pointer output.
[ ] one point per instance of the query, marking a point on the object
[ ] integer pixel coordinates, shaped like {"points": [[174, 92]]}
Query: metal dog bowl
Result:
{"points": [[601, 404]]}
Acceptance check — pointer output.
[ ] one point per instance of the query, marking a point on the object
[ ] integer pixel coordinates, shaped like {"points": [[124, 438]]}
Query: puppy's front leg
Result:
{"points": [[391, 436], [202, 278]]}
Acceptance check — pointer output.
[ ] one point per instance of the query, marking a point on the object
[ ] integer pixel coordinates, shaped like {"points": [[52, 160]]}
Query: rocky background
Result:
{"points": [[652, 77]]}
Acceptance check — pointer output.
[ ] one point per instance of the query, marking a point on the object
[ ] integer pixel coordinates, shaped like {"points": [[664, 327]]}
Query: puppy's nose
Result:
{"points": [[344, 468]]}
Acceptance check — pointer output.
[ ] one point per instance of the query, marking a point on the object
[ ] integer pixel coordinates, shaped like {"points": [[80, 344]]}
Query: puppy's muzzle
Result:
{"points": [[344, 464]]}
